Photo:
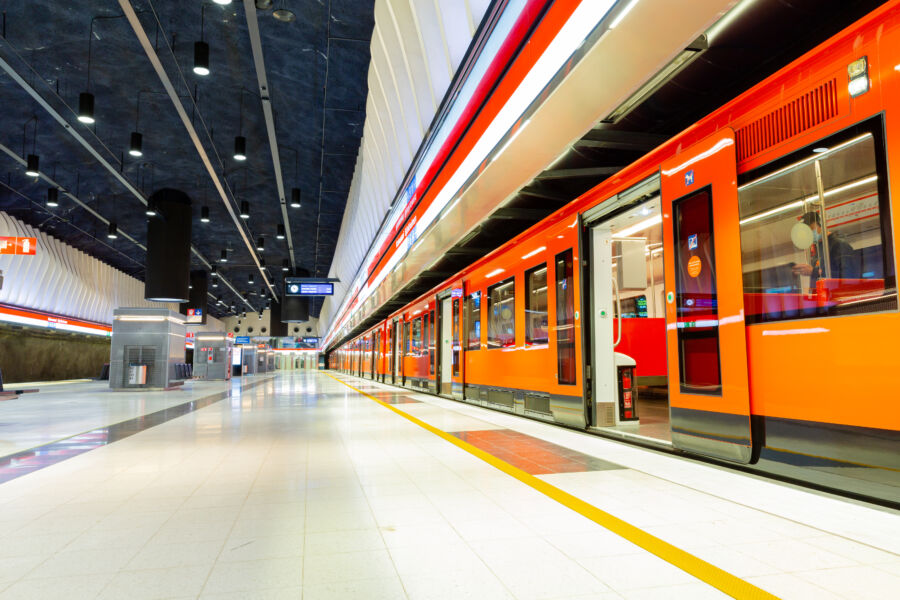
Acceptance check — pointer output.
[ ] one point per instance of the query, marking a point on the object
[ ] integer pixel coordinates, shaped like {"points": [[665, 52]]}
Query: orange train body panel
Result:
{"points": [[840, 370]]}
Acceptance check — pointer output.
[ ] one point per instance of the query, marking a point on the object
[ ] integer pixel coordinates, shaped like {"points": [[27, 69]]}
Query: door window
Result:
{"points": [[696, 305], [456, 337], [565, 318], [431, 328]]}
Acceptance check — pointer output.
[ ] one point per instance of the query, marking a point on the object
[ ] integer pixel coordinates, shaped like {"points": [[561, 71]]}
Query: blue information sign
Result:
{"points": [[242, 339], [300, 288]]}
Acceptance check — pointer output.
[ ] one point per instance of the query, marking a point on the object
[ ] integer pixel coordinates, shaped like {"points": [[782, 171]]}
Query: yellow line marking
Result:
{"points": [[702, 570]]}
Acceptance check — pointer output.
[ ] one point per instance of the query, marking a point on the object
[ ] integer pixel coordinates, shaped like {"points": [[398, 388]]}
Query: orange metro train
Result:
{"points": [[731, 295]]}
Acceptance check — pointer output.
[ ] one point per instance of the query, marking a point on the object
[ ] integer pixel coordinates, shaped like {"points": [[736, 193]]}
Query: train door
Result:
{"points": [[376, 353], [446, 356], [404, 350], [708, 388], [394, 343], [628, 329]]}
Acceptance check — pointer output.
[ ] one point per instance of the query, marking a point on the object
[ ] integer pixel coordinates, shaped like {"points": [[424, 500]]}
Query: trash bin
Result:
{"points": [[137, 374]]}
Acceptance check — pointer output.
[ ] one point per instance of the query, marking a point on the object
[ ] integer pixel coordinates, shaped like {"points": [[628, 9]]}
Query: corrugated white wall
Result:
{"points": [[62, 280], [417, 45]]}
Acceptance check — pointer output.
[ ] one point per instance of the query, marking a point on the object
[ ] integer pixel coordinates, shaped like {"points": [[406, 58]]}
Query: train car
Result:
{"points": [[731, 295]]}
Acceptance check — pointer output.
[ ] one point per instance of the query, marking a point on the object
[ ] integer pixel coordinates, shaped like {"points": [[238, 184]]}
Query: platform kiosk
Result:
{"points": [[212, 355], [146, 349]]}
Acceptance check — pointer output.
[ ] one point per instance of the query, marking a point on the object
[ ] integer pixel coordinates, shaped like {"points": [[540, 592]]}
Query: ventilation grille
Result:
{"points": [[795, 117]]}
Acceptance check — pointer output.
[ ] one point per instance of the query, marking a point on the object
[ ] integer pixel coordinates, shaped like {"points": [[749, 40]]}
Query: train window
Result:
{"points": [[536, 305], [455, 355], [433, 324], [473, 321], [565, 318], [501, 330], [815, 231]]}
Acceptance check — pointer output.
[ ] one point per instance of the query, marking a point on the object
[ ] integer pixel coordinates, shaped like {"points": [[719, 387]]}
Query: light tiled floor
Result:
{"points": [[300, 487]]}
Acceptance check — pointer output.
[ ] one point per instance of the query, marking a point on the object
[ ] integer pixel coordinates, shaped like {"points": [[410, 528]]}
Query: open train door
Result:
{"points": [[707, 348]]}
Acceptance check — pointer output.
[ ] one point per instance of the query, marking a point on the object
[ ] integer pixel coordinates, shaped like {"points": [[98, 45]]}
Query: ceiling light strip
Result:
{"points": [[147, 45], [262, 81]]}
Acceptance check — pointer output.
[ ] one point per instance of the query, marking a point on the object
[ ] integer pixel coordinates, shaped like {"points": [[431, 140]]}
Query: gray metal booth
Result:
{"points": [[248, 360], [212, 355], [146, 349]]}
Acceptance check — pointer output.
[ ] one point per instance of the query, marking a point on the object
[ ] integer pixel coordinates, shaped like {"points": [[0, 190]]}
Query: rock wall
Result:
{"points": [[35, 355]]}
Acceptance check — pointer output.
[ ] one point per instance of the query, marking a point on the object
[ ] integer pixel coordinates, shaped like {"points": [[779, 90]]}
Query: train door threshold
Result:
{"points": [[631, 436]]}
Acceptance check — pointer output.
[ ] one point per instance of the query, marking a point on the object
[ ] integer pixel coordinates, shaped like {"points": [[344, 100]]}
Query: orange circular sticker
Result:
{"points": [[694, 266]]}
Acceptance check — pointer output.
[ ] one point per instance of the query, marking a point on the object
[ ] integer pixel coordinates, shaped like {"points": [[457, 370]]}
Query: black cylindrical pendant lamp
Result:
{"points": [[224, 257], [136, 147], [169, 248], [280, 232], [112, 232], [204, 214], [245, 209], [86, 107], [240, 148], [151, 211], [52, 197], [260, 244], [201, 58], [295, 197], [32, 165], [285, 265], [250, 278]]}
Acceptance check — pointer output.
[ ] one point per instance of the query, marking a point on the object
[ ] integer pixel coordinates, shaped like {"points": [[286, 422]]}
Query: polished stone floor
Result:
{"points": [[301, 487]]}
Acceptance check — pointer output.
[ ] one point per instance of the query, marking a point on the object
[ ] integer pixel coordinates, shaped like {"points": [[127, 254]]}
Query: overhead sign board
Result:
{"points": [[194, 315], [242, 339], [26, 246], [310, 340], [301, 288]]}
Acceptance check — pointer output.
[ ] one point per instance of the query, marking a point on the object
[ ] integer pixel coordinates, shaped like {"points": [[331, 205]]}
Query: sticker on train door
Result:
{"points": [[707, 352]]}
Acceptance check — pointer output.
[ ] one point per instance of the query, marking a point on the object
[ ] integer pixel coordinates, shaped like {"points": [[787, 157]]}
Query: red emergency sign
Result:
{"points": [[18, 245]]}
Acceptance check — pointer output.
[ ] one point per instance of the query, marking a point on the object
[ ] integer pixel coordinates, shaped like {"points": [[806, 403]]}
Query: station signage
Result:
{"points": [[299, 288], [310, 340], [242, 339], [25, 246]]}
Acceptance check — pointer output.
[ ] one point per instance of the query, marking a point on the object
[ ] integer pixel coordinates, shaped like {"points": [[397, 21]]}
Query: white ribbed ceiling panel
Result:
{"points": [[417, 45], [61, 280]]}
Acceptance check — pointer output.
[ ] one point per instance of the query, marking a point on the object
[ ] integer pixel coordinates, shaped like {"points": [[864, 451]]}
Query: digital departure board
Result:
{"points": [[305, 288]]}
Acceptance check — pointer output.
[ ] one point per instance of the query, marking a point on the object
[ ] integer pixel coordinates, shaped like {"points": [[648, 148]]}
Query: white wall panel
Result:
{"points": [[417, 45], [62, 280]]}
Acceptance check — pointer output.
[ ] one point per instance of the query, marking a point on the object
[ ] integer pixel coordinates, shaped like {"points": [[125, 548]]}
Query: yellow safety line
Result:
{"points": [[702, 570]]}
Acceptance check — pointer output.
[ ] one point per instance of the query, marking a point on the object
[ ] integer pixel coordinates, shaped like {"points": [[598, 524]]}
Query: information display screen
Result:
{"points": [[300, 288]]}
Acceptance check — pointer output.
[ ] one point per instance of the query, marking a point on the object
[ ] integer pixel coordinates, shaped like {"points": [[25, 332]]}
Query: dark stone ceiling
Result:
{"points": [[317, 69]]}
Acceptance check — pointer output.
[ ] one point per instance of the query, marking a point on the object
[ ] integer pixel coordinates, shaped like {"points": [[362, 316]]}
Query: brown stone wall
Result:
{"points": [[28, 354]]}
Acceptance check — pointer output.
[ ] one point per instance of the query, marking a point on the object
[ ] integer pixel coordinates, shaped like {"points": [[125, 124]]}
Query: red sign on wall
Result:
{"points": [[18, 245]]}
